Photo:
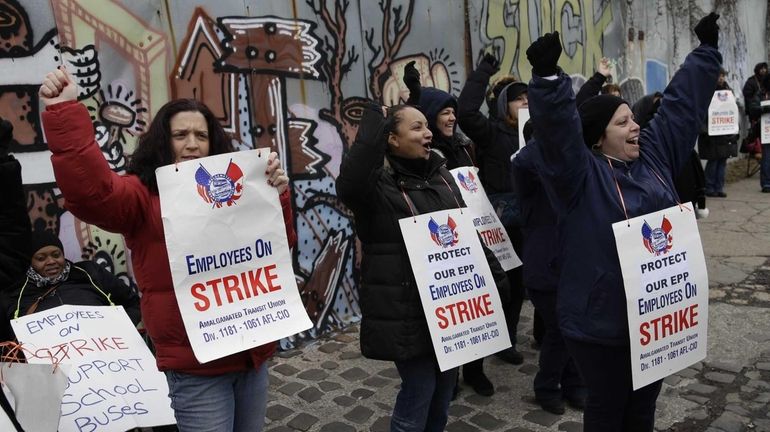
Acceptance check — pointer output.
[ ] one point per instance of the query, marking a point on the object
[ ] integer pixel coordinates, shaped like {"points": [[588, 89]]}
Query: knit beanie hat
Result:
{"points": [[508, 94], [41, 239], [595, 115]]}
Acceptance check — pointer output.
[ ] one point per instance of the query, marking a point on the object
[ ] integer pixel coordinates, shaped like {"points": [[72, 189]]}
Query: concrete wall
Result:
{"points": [[293, 75]]}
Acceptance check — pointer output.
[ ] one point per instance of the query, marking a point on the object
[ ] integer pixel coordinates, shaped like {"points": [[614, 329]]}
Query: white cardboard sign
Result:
{"points": [[485, 219], [458, 293], [113, 383], [764, 126], [666, 284], [723, 115], [229, 255]]}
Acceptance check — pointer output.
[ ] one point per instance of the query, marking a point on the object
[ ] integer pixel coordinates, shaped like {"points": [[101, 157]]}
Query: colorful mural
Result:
{"points": [[294, 76]]}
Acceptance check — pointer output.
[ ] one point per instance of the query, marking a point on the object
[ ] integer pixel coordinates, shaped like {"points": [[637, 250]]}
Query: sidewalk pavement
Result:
{"points": [[328, 386]]}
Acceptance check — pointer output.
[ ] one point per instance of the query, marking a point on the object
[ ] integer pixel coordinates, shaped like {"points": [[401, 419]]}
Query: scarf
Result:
{"points": [[41, 281]]}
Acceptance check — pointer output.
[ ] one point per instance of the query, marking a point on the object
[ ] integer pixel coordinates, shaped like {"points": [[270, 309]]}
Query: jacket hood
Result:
{"points": [[432, 101]]}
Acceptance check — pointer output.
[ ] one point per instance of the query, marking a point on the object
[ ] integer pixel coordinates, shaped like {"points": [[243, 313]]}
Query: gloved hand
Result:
{"points": [[707, 30], [489, 64], [544, 54], [412, 81], [6, 136]]}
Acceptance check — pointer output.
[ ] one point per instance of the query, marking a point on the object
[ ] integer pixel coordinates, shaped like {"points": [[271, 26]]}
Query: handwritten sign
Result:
{"points": [[457, 290], [485, 219], [229, 256], [666, 283], [113, 384]]}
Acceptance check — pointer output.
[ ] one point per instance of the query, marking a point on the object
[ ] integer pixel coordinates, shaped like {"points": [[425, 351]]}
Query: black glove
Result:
{"points": [[6, 136], [412, 81], [707, 30], [489, 64], [544, 54]]}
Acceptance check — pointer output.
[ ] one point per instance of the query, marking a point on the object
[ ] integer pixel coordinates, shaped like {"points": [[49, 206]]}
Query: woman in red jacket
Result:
{"points": [[227, 394]]}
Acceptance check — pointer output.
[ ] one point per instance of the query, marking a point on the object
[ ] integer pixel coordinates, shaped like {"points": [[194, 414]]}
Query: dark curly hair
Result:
{"points": [[154, 148]]}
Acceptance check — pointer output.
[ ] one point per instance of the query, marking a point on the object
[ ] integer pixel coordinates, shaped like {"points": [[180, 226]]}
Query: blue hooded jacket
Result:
{"points": [[540, 251], [581, 185]]}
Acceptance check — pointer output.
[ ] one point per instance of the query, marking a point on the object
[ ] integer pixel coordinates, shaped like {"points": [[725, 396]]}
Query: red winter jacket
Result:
{"points": [[124, 205]]}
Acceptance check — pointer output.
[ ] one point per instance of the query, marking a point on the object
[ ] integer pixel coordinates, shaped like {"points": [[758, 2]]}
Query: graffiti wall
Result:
{"points": [[294, 75]]}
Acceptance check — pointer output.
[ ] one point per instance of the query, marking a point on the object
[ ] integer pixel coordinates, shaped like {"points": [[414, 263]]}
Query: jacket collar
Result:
{"points": [[434, 163]]}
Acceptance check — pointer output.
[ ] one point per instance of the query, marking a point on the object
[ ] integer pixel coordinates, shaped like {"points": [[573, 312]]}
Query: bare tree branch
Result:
{"points": [[390, 47]]}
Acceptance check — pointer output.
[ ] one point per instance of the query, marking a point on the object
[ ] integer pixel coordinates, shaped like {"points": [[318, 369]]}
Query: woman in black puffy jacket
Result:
{"points": [[391, 173]]}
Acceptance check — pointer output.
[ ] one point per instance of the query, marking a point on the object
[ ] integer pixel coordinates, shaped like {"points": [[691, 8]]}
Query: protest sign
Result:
{"points": [[34, 394], [723, 118], [764, 125], [229, 255], [457, 290], [113, 383], [666, 284], [485, 219], [522, 119]]}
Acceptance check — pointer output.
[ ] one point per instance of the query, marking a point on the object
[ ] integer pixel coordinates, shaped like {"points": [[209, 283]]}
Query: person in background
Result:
{"points": [[690, 181], [716, 150], [557, 378], [596, 84], [439, 108], [226, 394], [612, 89], [51, 281], [608, 172], [755, 90], [390, 173], [497, 139]]}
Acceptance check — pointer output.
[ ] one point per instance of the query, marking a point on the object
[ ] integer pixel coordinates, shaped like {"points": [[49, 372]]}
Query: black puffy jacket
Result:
{"points": [[373, 185]]}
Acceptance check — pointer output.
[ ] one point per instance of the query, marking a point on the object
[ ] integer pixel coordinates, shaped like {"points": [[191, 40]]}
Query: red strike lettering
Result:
{"points": [[492, 236], [235, 287], [668, 324], [462, 311]]}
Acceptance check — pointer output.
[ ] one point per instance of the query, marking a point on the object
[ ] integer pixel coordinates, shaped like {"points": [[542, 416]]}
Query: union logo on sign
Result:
{"points": [[658, 241], [220, 189]]}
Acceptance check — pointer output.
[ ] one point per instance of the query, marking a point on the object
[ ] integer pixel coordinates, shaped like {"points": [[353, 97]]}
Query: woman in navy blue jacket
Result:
{"points": [[582, 175]]}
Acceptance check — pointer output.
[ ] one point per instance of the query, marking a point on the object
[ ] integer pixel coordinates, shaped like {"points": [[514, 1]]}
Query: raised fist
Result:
{"points": [[707, 30], [58, 86], [489, 64], [544, 54]]}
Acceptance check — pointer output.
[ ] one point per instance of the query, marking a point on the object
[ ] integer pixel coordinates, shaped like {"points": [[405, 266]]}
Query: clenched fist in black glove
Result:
{"points": [[412, 81], [489, 64], [707, 30], [544, 54]]}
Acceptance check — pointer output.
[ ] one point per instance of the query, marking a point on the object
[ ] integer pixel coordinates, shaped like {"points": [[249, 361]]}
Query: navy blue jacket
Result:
{"points": [[581, 184], [540, 251]]}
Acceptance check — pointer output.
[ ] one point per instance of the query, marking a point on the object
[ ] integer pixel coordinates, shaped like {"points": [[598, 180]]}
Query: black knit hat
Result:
{"points": [[595, 115], [41, 239]]}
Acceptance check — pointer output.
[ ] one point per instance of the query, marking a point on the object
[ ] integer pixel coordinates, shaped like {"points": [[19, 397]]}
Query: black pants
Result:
{"points": [[512, 310], [612, 404], [557, 377]]}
